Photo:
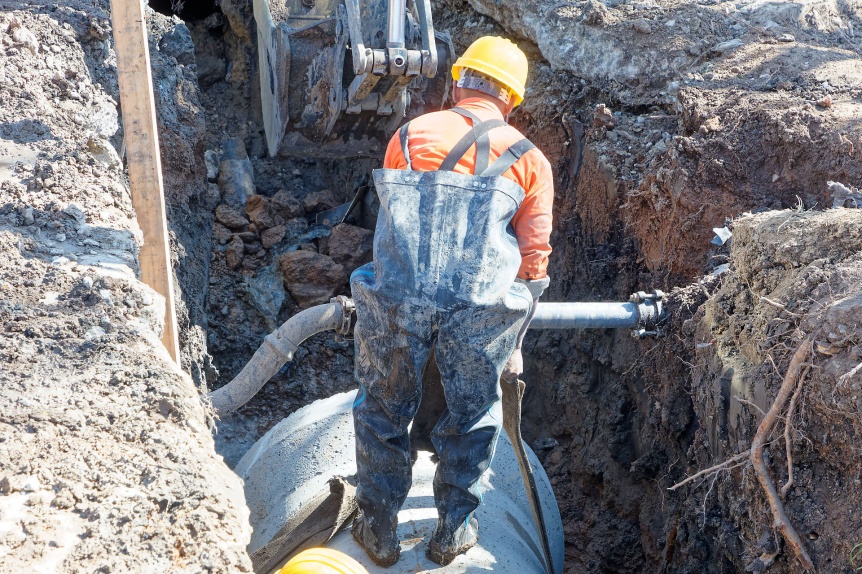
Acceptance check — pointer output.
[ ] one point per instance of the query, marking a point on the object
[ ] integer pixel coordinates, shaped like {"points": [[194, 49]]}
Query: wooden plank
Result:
{"points": [[143, 159]]}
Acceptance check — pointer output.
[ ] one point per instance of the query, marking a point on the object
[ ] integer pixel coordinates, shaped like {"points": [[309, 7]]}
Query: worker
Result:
{"points": [[322, 561], [465, 210]]}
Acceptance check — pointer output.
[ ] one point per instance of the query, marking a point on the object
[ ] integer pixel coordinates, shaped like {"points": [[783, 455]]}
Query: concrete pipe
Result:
{"points": [[290, 465]]}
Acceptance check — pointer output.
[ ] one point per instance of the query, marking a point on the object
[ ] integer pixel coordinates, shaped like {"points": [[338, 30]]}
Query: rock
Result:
{"points": [[74, 211], [272, 236], [320, 201], [234, 253], [221, 233], [103, 152], [350, 246], [726, 47], [603, 117], [230, 217], [27, 215], [94, 333], [252, 247], [259, 211], [103, 119], [25, 38], [31, 484], [64, 500], [595, 13], [106, 296], [8, 486], [287, 206], [211, 161], [214, 21], [178, 43], [641, 26], [41, 498], [247, 236], [311, 278], [236, 175], [210, 70]]}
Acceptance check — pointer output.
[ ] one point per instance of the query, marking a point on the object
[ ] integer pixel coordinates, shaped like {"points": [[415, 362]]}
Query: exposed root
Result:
{"points": [[749, 403], [787, 388], [788, 432], [849, 375], [779, 305], [792, 385], [712, 469]]}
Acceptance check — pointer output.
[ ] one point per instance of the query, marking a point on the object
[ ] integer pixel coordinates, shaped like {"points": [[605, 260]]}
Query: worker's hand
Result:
{"points": [[514, 368]]}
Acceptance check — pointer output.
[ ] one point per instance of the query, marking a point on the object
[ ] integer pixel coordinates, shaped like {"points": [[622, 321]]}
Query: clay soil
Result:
{"points": [[662, 120]]}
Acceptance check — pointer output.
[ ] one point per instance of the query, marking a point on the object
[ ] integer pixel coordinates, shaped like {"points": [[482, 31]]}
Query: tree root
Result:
{"points": [[781, 521], [788, 432], [710, 470], [792, 384]]}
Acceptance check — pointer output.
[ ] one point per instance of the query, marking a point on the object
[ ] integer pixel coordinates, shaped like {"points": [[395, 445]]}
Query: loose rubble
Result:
{"points": [[106, 459]]}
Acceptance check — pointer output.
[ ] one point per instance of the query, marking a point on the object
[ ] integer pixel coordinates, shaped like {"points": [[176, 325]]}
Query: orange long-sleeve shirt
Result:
{"points": [[434, 134]]}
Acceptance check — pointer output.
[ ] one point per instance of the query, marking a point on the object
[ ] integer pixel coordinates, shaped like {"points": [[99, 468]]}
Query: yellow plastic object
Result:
{"points": [[498, 58], [322, 561]]}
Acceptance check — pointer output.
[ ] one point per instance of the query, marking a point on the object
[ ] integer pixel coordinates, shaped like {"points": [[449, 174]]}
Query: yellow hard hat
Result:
{"points": [[499, 59], [322, 561]]}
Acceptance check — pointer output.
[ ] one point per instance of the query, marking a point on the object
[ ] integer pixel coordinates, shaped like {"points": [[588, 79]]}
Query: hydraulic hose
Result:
{"points": [[642, 314], [277, 349]]}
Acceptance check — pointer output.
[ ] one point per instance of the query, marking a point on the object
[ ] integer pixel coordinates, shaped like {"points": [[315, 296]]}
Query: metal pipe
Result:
{"points": [[397, 19], [586, 316], [277, 349]]}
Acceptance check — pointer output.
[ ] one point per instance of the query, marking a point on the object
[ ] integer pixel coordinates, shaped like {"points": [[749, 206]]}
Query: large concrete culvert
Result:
{"points": [[289, 467]]}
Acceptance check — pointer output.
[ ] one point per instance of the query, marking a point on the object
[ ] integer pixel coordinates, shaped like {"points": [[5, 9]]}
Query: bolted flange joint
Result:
{"points": [[344, 330], [651, 313]]}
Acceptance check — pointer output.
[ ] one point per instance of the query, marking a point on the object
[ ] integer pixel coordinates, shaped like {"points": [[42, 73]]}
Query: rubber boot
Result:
{"points": [[446, 543], [381, 547]]}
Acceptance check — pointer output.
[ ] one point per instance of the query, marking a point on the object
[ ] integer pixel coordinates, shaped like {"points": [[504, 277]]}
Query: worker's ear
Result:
{"points": [[456, 93]]}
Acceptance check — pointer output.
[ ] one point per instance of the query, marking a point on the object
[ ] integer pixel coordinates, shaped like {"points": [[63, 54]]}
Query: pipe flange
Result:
{"points": [[651, 313], [347, 307]]}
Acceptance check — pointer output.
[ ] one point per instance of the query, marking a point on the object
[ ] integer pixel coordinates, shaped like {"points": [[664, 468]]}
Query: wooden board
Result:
{"points": [[143, 159]]}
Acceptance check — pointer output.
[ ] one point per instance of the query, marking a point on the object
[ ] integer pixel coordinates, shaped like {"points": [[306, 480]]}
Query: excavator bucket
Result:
{"points": [[337, 77]]}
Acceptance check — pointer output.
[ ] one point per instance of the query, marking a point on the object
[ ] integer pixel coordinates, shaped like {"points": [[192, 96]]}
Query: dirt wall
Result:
{"points": [[106, 459], [746, 109]]}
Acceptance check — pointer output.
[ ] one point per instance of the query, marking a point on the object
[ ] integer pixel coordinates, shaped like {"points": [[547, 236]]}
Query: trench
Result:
{"points": [[585, 403]]}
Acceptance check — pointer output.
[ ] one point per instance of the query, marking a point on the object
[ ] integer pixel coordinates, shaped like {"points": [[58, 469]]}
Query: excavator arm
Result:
{"points": [[337, 77]]}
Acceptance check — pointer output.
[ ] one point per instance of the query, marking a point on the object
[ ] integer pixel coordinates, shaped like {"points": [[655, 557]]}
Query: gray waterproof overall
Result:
{"points": [[445, 262]]}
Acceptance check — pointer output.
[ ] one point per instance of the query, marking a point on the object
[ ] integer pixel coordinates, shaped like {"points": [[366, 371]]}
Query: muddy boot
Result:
{"points": [[381, 547], [447, 544]]}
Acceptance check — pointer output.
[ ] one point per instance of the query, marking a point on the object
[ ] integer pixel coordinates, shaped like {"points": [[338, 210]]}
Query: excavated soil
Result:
{"points": [[662, 121], [106, 460]]}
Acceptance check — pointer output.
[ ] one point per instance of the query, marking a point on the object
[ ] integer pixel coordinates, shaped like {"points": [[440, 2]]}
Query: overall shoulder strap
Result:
{"points": [[478, 136], [405, 140], [508, 158]]}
